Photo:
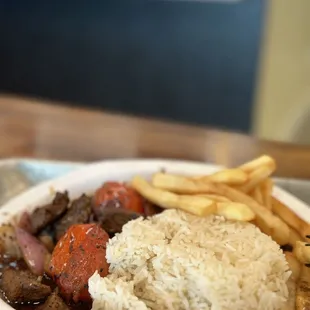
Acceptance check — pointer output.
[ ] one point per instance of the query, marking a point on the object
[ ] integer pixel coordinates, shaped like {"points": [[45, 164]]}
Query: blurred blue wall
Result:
{"points": [[187, 61]]}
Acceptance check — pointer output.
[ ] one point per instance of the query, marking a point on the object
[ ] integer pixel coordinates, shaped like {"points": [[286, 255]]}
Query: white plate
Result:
{"points": [[88, 178]]}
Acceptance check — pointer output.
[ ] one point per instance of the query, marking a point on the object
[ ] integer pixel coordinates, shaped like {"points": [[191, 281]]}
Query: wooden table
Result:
{"points": [[30, 128]]}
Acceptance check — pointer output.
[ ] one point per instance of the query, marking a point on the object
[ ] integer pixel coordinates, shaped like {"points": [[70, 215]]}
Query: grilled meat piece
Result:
{"points": [[21, 286], [78, 213]]}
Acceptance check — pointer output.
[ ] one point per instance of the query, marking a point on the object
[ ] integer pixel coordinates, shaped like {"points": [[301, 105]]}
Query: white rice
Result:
{"points": [[175, 260]]}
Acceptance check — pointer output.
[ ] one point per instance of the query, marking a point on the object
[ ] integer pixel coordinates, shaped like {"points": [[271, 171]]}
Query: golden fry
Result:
{"points": [[227, 176], [304, 229], [302, 290], [294, 237], [200, 206], [235, 211], [294, 265], [302, 252], [256, 177], [267, 222], [263, 160], [289, 217], [257, 195], [266, 190], [181, 184], [285, 214], [216, 198]]}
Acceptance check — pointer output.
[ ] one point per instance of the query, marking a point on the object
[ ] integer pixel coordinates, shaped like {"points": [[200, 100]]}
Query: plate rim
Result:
{"points": [[300, 207]]}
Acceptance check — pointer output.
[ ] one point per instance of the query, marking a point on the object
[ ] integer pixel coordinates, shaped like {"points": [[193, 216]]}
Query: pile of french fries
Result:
{"points": [[243, 194]]}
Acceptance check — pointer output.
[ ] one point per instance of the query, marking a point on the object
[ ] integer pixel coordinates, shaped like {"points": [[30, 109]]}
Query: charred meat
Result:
{"points": [[112, 219], [54, 302], [22, 286], [78, 213], [45, 215]]}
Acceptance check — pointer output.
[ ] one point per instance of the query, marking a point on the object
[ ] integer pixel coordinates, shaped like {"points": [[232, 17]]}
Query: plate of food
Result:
{"points": [[156, 234]]}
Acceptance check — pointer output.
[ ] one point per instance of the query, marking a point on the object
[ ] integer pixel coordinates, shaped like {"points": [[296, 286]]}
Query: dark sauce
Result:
{"points": [[6, 261]]}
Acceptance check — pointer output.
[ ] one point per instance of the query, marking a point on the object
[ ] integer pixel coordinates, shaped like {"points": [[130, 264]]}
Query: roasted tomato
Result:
{"points": [[120, 196], [77, 255]]}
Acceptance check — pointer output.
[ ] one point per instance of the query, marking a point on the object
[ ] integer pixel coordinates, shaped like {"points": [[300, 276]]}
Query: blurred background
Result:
{"points": [[237, 65]]}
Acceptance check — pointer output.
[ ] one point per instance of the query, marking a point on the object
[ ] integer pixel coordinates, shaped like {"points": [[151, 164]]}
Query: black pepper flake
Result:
{"points": [[81, 248], [85, 285], [101, 269]]}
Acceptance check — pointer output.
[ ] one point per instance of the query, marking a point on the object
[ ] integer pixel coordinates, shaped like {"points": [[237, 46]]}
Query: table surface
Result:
{"points": [[37, 129]]}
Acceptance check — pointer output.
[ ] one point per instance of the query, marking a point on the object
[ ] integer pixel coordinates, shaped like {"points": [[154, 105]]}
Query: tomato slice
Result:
{"points": [[121, 195], [77, 255]]}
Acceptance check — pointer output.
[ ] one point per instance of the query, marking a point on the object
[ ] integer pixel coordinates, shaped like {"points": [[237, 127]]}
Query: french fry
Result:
{"points": [[302, 252], [294, 237], [196, 205], [227, 176], [289, 217], [294, 265], [303, 289], [257, 195], [263, 160], [267, 222], [304, 229], [286, 214], [266, 190], [216, 198], [235, 211], [256, 177], [181, 184]]}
